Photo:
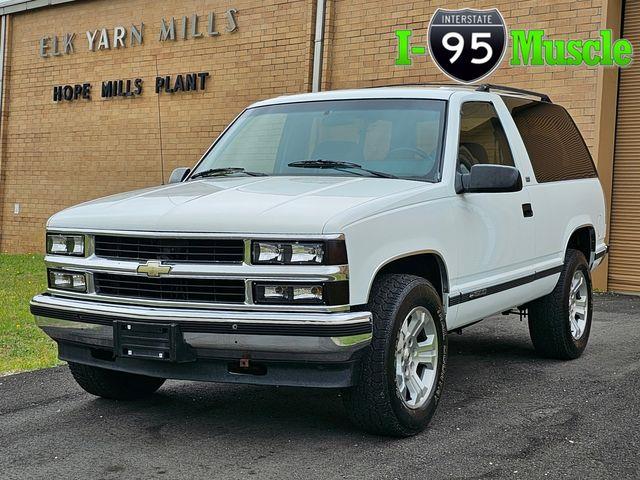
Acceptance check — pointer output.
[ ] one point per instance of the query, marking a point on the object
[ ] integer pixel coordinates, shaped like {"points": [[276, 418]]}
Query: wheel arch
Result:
{"points": [[427, 264], [583, 239]]}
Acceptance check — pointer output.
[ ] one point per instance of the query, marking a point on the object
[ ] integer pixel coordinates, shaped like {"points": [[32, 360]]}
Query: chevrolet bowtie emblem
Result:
{"points": [[154, 268]]}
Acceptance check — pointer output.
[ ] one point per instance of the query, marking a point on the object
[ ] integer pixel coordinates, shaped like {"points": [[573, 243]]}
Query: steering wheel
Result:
{"points": [[465, 160]]}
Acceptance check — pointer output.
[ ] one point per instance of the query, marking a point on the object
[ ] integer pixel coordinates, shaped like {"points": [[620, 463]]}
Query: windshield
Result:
{"points": [[401, 138]]}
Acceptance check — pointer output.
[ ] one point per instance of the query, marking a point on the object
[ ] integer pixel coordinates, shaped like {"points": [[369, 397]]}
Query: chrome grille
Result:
{"points": [[191, 250], [170, 288]]}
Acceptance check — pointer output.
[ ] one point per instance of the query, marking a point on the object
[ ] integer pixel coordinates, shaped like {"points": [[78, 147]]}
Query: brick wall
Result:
{"points": [[57, 155]]}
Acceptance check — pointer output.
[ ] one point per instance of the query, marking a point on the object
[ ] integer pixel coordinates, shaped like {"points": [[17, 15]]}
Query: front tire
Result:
{"points": [[112, 384], [402, 372], [560, 323]]}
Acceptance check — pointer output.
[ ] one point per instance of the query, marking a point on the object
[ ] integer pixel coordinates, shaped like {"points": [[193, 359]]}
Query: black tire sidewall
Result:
{"points": [[575, 262], [419, 293]]}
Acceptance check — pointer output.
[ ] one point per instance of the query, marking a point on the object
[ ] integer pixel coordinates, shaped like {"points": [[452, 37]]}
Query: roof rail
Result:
{"points": [[487, 87], [422, 84]]}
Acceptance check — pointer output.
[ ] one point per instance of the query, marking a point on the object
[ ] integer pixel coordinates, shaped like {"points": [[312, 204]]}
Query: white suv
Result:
{"points": [[333, 240]]}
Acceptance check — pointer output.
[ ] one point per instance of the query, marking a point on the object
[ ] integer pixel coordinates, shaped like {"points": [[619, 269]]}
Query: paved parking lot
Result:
{"points": [[505, 414]]}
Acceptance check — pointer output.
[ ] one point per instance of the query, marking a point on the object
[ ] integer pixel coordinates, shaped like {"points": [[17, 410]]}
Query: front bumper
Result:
{"points": [[292, 348]]}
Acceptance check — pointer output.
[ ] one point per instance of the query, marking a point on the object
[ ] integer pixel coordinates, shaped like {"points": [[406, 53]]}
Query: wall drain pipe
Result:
{"points": [[3, 50], [318, 46]]}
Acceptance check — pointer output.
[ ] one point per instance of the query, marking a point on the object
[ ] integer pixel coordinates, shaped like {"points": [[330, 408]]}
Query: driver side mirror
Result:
{"points": [[179, 174], [489, 178]]}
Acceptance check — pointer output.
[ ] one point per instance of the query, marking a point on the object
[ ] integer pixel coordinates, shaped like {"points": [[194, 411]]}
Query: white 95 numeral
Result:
{"points": [[454, 42], [457, 47]]}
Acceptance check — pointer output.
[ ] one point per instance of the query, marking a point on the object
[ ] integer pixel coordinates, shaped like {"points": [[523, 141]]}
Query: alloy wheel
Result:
{"points": [[416, 357], [578, 304]]}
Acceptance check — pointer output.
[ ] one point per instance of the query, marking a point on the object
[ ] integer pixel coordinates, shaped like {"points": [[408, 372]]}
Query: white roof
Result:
{"points": [[427, 92]]}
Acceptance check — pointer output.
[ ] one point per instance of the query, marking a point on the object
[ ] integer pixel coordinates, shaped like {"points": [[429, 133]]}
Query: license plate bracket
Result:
{"points": [[151, 341]]}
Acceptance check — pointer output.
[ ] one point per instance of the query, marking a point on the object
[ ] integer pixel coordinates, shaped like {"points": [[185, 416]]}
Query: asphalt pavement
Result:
{"points": [[505, 413]]}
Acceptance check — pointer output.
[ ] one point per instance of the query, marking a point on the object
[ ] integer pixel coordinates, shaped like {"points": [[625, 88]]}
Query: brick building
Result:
{"points": [[59, 148]]}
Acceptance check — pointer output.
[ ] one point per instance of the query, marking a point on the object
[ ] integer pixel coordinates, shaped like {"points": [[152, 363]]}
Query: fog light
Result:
{"points": [[313, 293], [301, 294], [274, 292], [326, 293], [62, 280]]}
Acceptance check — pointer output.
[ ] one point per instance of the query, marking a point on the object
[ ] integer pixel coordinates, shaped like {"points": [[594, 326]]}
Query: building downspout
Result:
{"points": [[318, 46], [3, 48], [3, 43]]}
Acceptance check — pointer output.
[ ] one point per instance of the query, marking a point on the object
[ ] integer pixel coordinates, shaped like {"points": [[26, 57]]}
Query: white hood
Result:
{"points": [[242, 205]]}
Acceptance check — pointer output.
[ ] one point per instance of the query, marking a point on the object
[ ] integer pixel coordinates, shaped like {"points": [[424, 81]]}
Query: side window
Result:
{"points": [[482, 138], [555, 146]]}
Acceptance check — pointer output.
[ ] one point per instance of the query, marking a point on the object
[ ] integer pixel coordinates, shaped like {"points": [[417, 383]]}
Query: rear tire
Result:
{"points": [[402, 372], [560, 323], [112, 384]]}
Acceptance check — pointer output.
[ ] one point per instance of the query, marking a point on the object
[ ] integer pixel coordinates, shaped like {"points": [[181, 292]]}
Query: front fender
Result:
{"points": [[375, 241]]}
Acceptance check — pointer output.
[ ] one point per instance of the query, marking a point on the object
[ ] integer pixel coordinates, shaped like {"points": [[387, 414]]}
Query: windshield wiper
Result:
{"points": [[221, 172], [319, 163]]}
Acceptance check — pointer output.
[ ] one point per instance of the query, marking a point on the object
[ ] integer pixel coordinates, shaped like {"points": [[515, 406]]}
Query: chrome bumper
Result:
{"points": [[330, 337]]}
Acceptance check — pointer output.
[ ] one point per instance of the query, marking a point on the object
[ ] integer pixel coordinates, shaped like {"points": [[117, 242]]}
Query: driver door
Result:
{"points": [[495, 243]]}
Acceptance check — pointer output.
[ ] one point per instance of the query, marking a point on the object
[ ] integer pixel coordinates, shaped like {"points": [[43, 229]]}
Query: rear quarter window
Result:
{"points": [[556, 148]]}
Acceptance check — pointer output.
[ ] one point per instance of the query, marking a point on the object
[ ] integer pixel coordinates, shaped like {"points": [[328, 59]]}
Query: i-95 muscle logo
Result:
{"points": [[468, 45]]}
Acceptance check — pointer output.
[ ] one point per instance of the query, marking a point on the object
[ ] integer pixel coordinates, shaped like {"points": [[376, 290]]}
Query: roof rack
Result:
{"points": [[487, 87], [423, 84]]}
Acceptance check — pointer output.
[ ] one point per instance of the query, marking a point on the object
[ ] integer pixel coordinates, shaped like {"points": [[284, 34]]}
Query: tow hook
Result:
{"points": [[247, 367]]}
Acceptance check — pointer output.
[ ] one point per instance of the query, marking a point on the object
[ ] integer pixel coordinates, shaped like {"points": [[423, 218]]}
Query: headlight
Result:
{"points": [[332, 252], [330, 293], [63, 280], [60, 244]]}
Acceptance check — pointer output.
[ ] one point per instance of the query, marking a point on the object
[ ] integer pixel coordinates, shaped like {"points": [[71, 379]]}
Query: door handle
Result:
{"points": [[527, 210]]}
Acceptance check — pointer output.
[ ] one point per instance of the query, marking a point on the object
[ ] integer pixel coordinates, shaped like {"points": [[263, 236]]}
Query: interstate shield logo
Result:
{"points": [[467, 45]]}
